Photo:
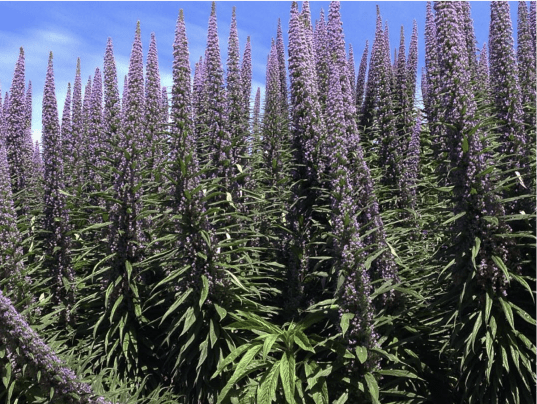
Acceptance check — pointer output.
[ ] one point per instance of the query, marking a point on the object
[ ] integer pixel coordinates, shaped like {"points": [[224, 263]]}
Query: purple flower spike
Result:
{"points": [[56, 216], [16, 124], [526, 65], [360, 80], [27, 348]]}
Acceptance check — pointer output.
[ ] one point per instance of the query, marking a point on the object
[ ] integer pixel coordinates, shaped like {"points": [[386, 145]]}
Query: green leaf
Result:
{"points": [[241, 370], [176, 304], [475, 249], [453, 218], [398, 373], [266, 391], [204, 290], [373, 387], [302, 341], [287, 374], [508, 312], [128, 267], [269, 342], [345, 319], [475, 331], [212, 333], [488, 307], [230, 358], [116, 305], [221, 311], [361, 354]]}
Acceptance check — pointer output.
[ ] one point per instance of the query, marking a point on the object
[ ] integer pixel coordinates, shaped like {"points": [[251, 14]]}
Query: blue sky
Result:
{"points": [[81, 29]]}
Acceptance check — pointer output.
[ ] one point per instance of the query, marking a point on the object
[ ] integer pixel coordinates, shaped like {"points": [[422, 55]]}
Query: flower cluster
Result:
{"points": [[28, 348]]}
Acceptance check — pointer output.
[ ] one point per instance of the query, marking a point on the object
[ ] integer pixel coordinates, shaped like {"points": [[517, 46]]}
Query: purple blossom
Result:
{"points": [[360, 80], [256, 121], [111, 124], [349, 257], [410, 171], [526, 66], [280, 47], [165, 108], [412, 66], [11, 253], [95, 135], [26, 347], [56, 216], [246, 78], [154, 141], [352, 72], [16, 126], [73, 145], [218, 139], [237, 122], [126, 239], [322, 58], [472, 192], [504, 82]]}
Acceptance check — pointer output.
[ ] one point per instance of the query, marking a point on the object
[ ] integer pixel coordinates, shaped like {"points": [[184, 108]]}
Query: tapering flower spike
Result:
{"points": [[504, 84], [533, 23], [469, 36], [348, 250], [27, 348], [96, 140], [235, 94], [165, 108], [322, 58], [280, 47], [256, 121], [273, 122], [246, 78], [73, 141], [412, 66], [526, 66], [360, 80], [56, 216], [16, 123], [111, 104], [183, 140], [352, 71], [11, 264], [153, 142]]}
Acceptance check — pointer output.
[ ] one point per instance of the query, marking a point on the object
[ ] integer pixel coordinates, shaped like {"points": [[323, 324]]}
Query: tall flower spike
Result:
{"points": [[11, 253], [15, 130], [410, 170], [526, 67], [352, 72], [503, 77], [29, 349], [432, 98], [322, 58], [126, 239], [280, 47], [96, 141], [354, 293], [218, 140], [273, 122], [533, 16], [66, 126], [246, 77], [360, 80], [165, 108], [469, 36], [153, 142], [235, 95], [257, 113], [183, 139], [412, 66], [111, 106], [56, 216], [401, 101], [72, 145]]}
